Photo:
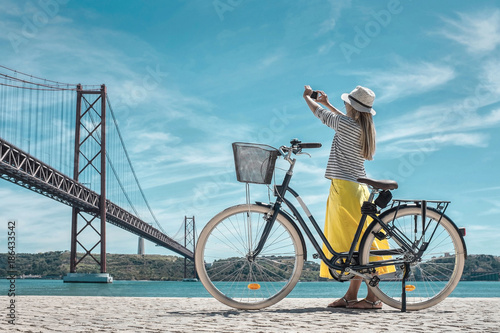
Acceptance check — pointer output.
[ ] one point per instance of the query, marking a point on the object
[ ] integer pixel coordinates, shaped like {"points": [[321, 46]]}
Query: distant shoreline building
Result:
{"points": [[140, 246]]}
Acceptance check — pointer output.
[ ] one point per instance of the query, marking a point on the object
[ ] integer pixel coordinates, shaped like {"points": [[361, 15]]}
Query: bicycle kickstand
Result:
{"points": [[403, 290]]}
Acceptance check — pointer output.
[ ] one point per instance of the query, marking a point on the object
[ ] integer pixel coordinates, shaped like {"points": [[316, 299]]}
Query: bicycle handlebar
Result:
{"points": [[297, 144], [310, 145], [296, 148]]}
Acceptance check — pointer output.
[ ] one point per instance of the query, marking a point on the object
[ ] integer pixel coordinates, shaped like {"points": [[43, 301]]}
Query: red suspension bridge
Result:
{"points": [[56, 139]]}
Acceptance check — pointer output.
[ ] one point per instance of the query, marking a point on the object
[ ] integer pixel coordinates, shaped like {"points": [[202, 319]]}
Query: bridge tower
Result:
{"points": [[89, 161], [189, 243]]}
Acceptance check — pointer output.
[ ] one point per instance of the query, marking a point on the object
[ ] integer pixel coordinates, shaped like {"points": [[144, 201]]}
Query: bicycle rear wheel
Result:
{"points": [[224, 260], [434, 275]]}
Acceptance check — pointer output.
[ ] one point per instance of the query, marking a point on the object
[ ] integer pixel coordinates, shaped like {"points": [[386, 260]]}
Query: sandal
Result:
{"points": [[366, 304], [338, 304]]}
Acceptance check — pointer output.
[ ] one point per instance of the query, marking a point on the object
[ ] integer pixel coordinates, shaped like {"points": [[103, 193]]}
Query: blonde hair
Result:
{"points": [[367, 140]]}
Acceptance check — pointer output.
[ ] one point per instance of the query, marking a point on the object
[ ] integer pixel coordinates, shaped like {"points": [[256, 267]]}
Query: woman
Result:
{"points": [[353, 143]]}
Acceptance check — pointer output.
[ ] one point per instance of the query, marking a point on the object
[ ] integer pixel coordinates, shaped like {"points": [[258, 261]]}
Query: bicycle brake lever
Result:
{"points": [[304, 153], [282, 151]]}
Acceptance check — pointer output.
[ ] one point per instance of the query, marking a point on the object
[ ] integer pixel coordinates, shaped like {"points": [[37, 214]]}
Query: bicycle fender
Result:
{"points": [[395, 209], [289, 218]]}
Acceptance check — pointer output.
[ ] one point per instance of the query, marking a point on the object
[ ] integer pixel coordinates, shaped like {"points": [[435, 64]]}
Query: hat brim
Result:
{"points": [[356, 105]]}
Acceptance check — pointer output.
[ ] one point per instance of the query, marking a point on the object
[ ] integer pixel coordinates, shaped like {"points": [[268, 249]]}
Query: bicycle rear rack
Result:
{"points": [[438, 205]]}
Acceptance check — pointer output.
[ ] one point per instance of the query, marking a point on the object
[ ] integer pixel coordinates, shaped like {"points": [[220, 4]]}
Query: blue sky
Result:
{"points": [[188, 78]]}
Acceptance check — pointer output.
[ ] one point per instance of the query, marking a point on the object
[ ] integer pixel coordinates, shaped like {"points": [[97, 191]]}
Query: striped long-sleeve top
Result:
{"points": [[346, 160]]}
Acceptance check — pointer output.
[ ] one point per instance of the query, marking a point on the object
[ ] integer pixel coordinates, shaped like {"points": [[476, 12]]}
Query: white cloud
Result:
{"points": [[159, 137], [441, 118], [479, 32], [327, 26], [270, 60], [435, 142], [432, 127], [325, 48], [480, 228], [491, 78], [334, 10], [486, 189], [461, 139], [42, 224], [154, 140], [493, 207], [407, 79]]}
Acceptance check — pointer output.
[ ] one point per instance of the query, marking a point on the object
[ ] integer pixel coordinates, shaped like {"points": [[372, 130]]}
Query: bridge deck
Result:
{"points": [[27, 171]]}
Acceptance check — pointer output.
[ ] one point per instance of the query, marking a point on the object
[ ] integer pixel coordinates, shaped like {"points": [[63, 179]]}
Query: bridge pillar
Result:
{"points": [[90, 157], [189, 243]]}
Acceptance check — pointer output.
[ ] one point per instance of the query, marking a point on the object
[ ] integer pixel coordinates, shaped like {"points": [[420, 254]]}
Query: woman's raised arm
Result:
{"points": [[322, 98]]}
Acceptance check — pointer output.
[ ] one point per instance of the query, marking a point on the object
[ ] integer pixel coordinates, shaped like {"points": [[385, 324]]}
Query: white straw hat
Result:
{"points": [[361, 99]]}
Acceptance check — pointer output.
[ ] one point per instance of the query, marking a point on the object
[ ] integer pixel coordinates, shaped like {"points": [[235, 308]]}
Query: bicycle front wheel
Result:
{"points": [[434, 275], [229, 271]]}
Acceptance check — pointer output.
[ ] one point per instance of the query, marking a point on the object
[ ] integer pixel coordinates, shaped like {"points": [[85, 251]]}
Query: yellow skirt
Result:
{"points": [[343, 213]]}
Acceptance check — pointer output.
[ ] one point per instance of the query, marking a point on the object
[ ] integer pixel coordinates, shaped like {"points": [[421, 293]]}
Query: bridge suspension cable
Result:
{"points": [[132, 169], [38, 116], [131, 166], [26, 81]]}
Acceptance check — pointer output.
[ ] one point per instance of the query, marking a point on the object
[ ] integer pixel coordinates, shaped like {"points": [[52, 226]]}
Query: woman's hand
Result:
{"points": [[310, 102], [322, 98], [307, 91]]}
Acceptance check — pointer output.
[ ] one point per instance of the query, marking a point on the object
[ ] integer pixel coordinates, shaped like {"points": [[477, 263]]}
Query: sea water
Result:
{"points": [[120, 288]]}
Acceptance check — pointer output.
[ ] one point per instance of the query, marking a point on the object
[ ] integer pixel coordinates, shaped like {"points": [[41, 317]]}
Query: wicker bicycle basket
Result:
{"points": [[254, 162]]}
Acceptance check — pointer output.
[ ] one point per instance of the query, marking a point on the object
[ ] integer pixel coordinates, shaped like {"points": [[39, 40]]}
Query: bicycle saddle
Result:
{"points": [[379, 184]]}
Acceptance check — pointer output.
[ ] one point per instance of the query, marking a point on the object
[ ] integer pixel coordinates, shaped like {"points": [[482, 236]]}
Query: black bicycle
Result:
{"points": [[251, 256]]}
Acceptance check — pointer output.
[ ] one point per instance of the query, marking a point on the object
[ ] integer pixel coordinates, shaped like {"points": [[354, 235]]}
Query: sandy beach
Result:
{"points": [[146, 314]]}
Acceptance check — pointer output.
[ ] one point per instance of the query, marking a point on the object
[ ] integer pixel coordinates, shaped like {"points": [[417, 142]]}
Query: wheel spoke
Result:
{"points": [[432, 276], [235, 276]]}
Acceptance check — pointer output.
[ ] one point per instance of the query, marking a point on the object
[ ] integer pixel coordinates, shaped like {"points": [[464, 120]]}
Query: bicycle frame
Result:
{"points": [[281, 190], [251, 256]]}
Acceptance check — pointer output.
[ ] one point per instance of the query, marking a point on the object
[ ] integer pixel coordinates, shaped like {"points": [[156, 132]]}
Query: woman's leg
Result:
{"points": [[369, 302], [350, 297], [352, 292], [342, 218]]}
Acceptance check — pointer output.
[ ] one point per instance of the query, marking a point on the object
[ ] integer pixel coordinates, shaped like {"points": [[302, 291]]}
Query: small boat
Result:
{"points": [[190, 280]]}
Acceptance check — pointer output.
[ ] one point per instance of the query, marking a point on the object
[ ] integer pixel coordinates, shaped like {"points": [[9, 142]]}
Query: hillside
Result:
{"points": [[171, 268], [120, 266], [482, 267]]}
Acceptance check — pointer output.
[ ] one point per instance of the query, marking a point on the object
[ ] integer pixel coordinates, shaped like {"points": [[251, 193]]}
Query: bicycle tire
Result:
{"points": [[434, 276], [225, 270]]}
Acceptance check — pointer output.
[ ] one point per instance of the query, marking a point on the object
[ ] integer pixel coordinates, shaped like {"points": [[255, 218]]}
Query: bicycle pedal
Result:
{"points": [[380, 236], [374, 281]]}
